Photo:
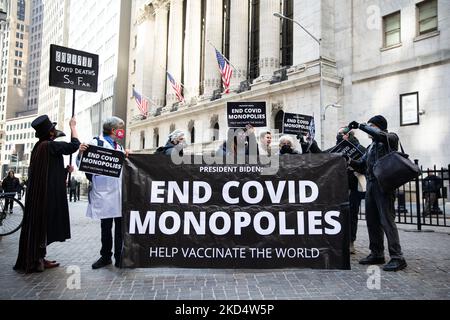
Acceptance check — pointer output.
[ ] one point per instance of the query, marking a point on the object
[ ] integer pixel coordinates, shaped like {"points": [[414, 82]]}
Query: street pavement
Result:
{"points": [[427, 276]]}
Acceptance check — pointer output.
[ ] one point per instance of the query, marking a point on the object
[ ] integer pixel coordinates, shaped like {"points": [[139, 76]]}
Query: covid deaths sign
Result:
{"points": [[102, 161], [73, 69], [231, 216], [240, 114]]}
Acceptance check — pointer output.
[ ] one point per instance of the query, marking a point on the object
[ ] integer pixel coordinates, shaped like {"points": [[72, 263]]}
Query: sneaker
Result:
{"points": [[371, 259], [100, 263], [352, 248], [395, 264]]}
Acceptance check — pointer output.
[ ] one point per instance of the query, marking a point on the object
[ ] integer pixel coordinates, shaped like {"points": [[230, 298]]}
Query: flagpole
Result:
{"points": [[239, 73], [175, 80], [150, 100]]}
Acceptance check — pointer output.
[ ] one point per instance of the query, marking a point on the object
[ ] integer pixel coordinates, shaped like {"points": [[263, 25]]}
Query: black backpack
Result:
{"points": [[99, 144]]}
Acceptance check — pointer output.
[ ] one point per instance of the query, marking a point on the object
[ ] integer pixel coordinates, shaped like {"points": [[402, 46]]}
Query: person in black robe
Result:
{"points": [[46, 217]]}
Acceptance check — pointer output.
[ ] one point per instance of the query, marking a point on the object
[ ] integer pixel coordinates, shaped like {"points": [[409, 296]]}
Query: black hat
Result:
{"points": [[43, 126], [380, 122]]}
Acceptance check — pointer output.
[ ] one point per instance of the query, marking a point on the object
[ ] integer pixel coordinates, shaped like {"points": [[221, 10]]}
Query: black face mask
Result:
{"points": [[339, 138], [286, 150]]}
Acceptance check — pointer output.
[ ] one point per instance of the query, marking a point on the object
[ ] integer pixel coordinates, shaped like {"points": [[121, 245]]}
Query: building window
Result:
{"points": [[216, 130], [226, 27], [391, 26], [21, 10], [287, 34], [193, 135], [279, 121], [427, 17], [156, 138], [253, 65], [134, 66], [142, 140]]}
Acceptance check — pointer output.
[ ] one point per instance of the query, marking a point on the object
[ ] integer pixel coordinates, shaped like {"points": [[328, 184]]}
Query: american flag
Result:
{"points": [[225, 70], [176, 87], [142, 102]]}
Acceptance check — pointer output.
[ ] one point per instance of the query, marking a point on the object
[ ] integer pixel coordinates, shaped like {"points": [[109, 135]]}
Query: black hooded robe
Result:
{"points": [[46, 218]]}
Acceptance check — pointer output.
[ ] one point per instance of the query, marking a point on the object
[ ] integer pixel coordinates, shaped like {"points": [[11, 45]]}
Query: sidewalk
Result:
{"points": [[427, 275]]}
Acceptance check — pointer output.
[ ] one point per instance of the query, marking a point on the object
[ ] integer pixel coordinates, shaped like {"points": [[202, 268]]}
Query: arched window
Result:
{"points": [[216, 129], [142, 140], [156, 138], [279, 121], [192, 135]]}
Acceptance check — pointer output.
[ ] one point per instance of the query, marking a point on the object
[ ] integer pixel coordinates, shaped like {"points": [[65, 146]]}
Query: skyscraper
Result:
{"points": [[103, 28]]}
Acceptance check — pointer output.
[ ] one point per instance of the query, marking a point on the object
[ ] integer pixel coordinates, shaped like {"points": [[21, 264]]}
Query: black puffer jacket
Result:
{"points": [[378, 149], [11, 184]]}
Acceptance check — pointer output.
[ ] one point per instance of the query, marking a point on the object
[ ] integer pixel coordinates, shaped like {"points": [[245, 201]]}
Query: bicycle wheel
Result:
{"points": [[10, 220]]}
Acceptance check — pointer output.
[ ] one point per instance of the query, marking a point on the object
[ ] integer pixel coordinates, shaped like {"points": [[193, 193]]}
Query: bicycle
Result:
{"points": [[10, 219]]}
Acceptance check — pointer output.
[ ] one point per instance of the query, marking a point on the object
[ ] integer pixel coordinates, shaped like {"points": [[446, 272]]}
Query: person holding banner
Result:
{"points": [[46, 216], [287, 146], [355, 195], [105, 196], [380, 211], [240, 142], [176, 142], [265, 142]]}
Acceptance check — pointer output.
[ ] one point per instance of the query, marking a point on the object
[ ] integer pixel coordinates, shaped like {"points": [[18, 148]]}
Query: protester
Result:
{"points": [[78, 190], [46, 216], [265, 141], [286, 146], [431, 188], [105, 196], [380, 212], [355, 195], [240, 142], [11, 184], [307, 145], [176, 143], [73, 189]]}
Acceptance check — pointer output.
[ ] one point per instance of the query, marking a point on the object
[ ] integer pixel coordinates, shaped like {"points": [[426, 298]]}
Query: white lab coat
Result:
{"points": [[106, 194]]}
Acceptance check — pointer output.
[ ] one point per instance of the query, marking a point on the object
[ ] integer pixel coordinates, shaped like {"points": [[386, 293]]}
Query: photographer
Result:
{"points": [[380, 212]]}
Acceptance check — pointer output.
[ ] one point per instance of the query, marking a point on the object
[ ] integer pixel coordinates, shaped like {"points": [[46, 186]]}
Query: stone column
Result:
{"points": [[214, 26], [160, 53], [269, 39], [175, 47], [239, 40], [192, 49], [145, 47]]}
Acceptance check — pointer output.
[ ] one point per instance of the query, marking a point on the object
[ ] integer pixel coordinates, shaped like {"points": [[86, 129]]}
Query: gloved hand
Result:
{"points": [[353, 125]]}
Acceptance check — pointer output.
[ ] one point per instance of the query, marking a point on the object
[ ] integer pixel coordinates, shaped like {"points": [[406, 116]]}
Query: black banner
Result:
{"points": [[348, 148], [296, 123], [231, 216], [73, 69], [102, 161], [240, 114]]}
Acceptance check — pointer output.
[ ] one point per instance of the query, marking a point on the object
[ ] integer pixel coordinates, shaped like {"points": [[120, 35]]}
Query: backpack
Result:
{"points": [[160, 150], [100, 143]]}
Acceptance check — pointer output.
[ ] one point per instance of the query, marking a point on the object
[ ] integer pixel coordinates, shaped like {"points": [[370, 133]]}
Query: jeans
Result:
{"points": [[380, 215], [107, 241]]}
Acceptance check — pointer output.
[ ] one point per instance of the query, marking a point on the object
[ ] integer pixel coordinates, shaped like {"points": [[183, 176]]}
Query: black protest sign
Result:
{"points": [[102, 161], [349, 149], [296, 124], [231, 216], [73, 69], [240, 114]]}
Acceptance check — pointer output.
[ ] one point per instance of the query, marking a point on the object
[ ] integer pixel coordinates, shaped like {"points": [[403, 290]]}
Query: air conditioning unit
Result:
{"points": [[244, 86], [279, 76], [217, 94]]}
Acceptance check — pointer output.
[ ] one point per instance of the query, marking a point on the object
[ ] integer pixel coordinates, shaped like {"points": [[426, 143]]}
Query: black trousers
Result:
{"points": [[355, 198], [107, 241], [380, 216], [8, 203], [74, 194]]}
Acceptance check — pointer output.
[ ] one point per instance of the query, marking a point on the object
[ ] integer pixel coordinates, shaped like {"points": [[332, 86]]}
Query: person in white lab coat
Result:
{"points": [[105, 196]]}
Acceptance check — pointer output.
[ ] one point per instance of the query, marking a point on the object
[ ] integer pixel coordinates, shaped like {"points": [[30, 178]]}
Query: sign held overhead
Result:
{"points": [[73, 69]]}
